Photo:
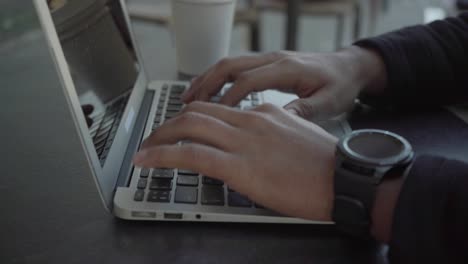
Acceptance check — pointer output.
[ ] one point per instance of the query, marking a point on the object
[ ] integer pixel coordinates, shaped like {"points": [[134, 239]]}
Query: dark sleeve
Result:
{"points": [[426, 65], [430, 222]]}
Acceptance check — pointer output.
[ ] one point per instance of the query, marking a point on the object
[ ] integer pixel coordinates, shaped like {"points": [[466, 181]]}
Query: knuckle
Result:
{"points": [[188, 119], [290, 61], [243, 78], [276, 55], [256, 119], [224, 63], [195, 123], [251, 117], [193, 106], [266, 107]]}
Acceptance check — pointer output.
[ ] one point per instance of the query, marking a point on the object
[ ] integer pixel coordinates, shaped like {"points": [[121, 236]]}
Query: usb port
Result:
{"points": [[173, 216]]}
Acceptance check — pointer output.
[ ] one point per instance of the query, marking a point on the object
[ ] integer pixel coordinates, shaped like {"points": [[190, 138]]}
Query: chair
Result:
{"points": [[248, 11], [340, 9]]}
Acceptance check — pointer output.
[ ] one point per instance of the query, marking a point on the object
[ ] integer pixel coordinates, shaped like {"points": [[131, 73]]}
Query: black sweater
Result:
{"points": [[428, 65]]}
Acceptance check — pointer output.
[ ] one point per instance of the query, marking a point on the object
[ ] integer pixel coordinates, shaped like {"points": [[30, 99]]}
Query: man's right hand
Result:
{"points": [[327, 83]]}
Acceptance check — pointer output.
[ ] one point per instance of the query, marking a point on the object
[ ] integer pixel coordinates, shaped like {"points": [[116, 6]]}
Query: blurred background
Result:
{"points": [[260, 25]]}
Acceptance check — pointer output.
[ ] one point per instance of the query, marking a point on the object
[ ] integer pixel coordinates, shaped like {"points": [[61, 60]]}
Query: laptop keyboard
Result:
{"points": [[161, 185]]}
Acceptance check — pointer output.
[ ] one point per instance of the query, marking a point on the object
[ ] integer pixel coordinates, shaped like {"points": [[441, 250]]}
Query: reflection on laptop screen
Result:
{"points": [[99, 52]]}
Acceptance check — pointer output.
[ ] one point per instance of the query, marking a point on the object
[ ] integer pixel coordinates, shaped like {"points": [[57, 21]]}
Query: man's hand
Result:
{"points": [[275, 158], [327, 84]]}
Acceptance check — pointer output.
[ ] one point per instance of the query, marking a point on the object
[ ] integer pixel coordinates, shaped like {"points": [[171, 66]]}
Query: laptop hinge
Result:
{"points": [[137, 135]]}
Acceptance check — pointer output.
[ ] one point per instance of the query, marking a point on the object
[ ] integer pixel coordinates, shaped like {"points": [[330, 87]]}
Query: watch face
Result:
{"points": [[376, 146]]}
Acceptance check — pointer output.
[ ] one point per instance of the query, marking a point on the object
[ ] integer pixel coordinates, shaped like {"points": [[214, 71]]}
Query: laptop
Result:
{"points": [[92, 44]]}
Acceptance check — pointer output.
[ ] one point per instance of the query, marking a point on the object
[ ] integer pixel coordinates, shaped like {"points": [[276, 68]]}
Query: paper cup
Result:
{"points": [[202, 31]]}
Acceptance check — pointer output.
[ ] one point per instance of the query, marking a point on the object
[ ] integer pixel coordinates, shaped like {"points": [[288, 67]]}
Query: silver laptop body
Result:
{"points": [[127, 108]]}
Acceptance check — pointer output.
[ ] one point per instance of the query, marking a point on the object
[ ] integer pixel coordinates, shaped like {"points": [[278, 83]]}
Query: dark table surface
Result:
{"points": [[37, 225], [91, 235]]}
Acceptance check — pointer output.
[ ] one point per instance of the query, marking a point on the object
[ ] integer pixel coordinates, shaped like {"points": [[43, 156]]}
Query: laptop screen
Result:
{"points": [[102, 60]]}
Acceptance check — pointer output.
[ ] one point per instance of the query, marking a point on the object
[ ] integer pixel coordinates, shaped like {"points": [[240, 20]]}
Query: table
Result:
{"points": [[47, 218]]}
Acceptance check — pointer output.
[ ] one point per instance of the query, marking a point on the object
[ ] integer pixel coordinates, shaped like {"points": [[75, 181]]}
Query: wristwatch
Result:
{"points": [[363, 159]]}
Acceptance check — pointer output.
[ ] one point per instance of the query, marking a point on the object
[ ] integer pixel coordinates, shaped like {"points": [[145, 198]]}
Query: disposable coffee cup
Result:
{"points": [[202, 31]]}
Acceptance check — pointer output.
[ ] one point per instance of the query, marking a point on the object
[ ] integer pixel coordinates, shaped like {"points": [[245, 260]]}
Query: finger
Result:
{"points": [[273, 75], [195, 157], [227, 70], [232, 116], [187, 94], [319, 106], [195, 127]]}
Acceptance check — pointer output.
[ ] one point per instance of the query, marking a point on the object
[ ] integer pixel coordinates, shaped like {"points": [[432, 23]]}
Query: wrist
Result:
{"points": [[370, 165], [367, 67], [330, 179], [386, 199]]}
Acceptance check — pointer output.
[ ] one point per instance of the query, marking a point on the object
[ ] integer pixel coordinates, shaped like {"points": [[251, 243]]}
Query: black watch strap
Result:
{"points": [[363, 159], [354, 199]]}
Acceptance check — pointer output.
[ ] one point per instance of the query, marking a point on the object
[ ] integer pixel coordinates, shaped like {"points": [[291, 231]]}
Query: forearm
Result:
{"points": [[423, 216], [423, 60]]}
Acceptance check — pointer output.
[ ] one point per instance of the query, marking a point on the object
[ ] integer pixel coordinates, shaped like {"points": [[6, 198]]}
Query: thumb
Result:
{"points": [[316, 107]]}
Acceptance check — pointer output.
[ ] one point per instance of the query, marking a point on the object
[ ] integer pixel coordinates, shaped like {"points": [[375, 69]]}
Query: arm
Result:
{"points": [[429, 212], [422, 62]]}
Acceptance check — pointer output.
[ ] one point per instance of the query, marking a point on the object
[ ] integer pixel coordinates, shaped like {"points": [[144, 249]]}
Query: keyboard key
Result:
{"points": [[144, 173], [170, 115], [162, 174], [259, 206], [173, 108], [187, 180], [212, 195], [175, 102], [177, 88], [159, 196], [139, 195], [142, 183], [157, 119], [161, 184], [238, 200], [187, 172], [186, 195], [210, 181]]}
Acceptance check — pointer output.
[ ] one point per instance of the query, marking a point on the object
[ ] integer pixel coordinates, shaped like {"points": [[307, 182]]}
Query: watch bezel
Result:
{"points": [[402, 157]]}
